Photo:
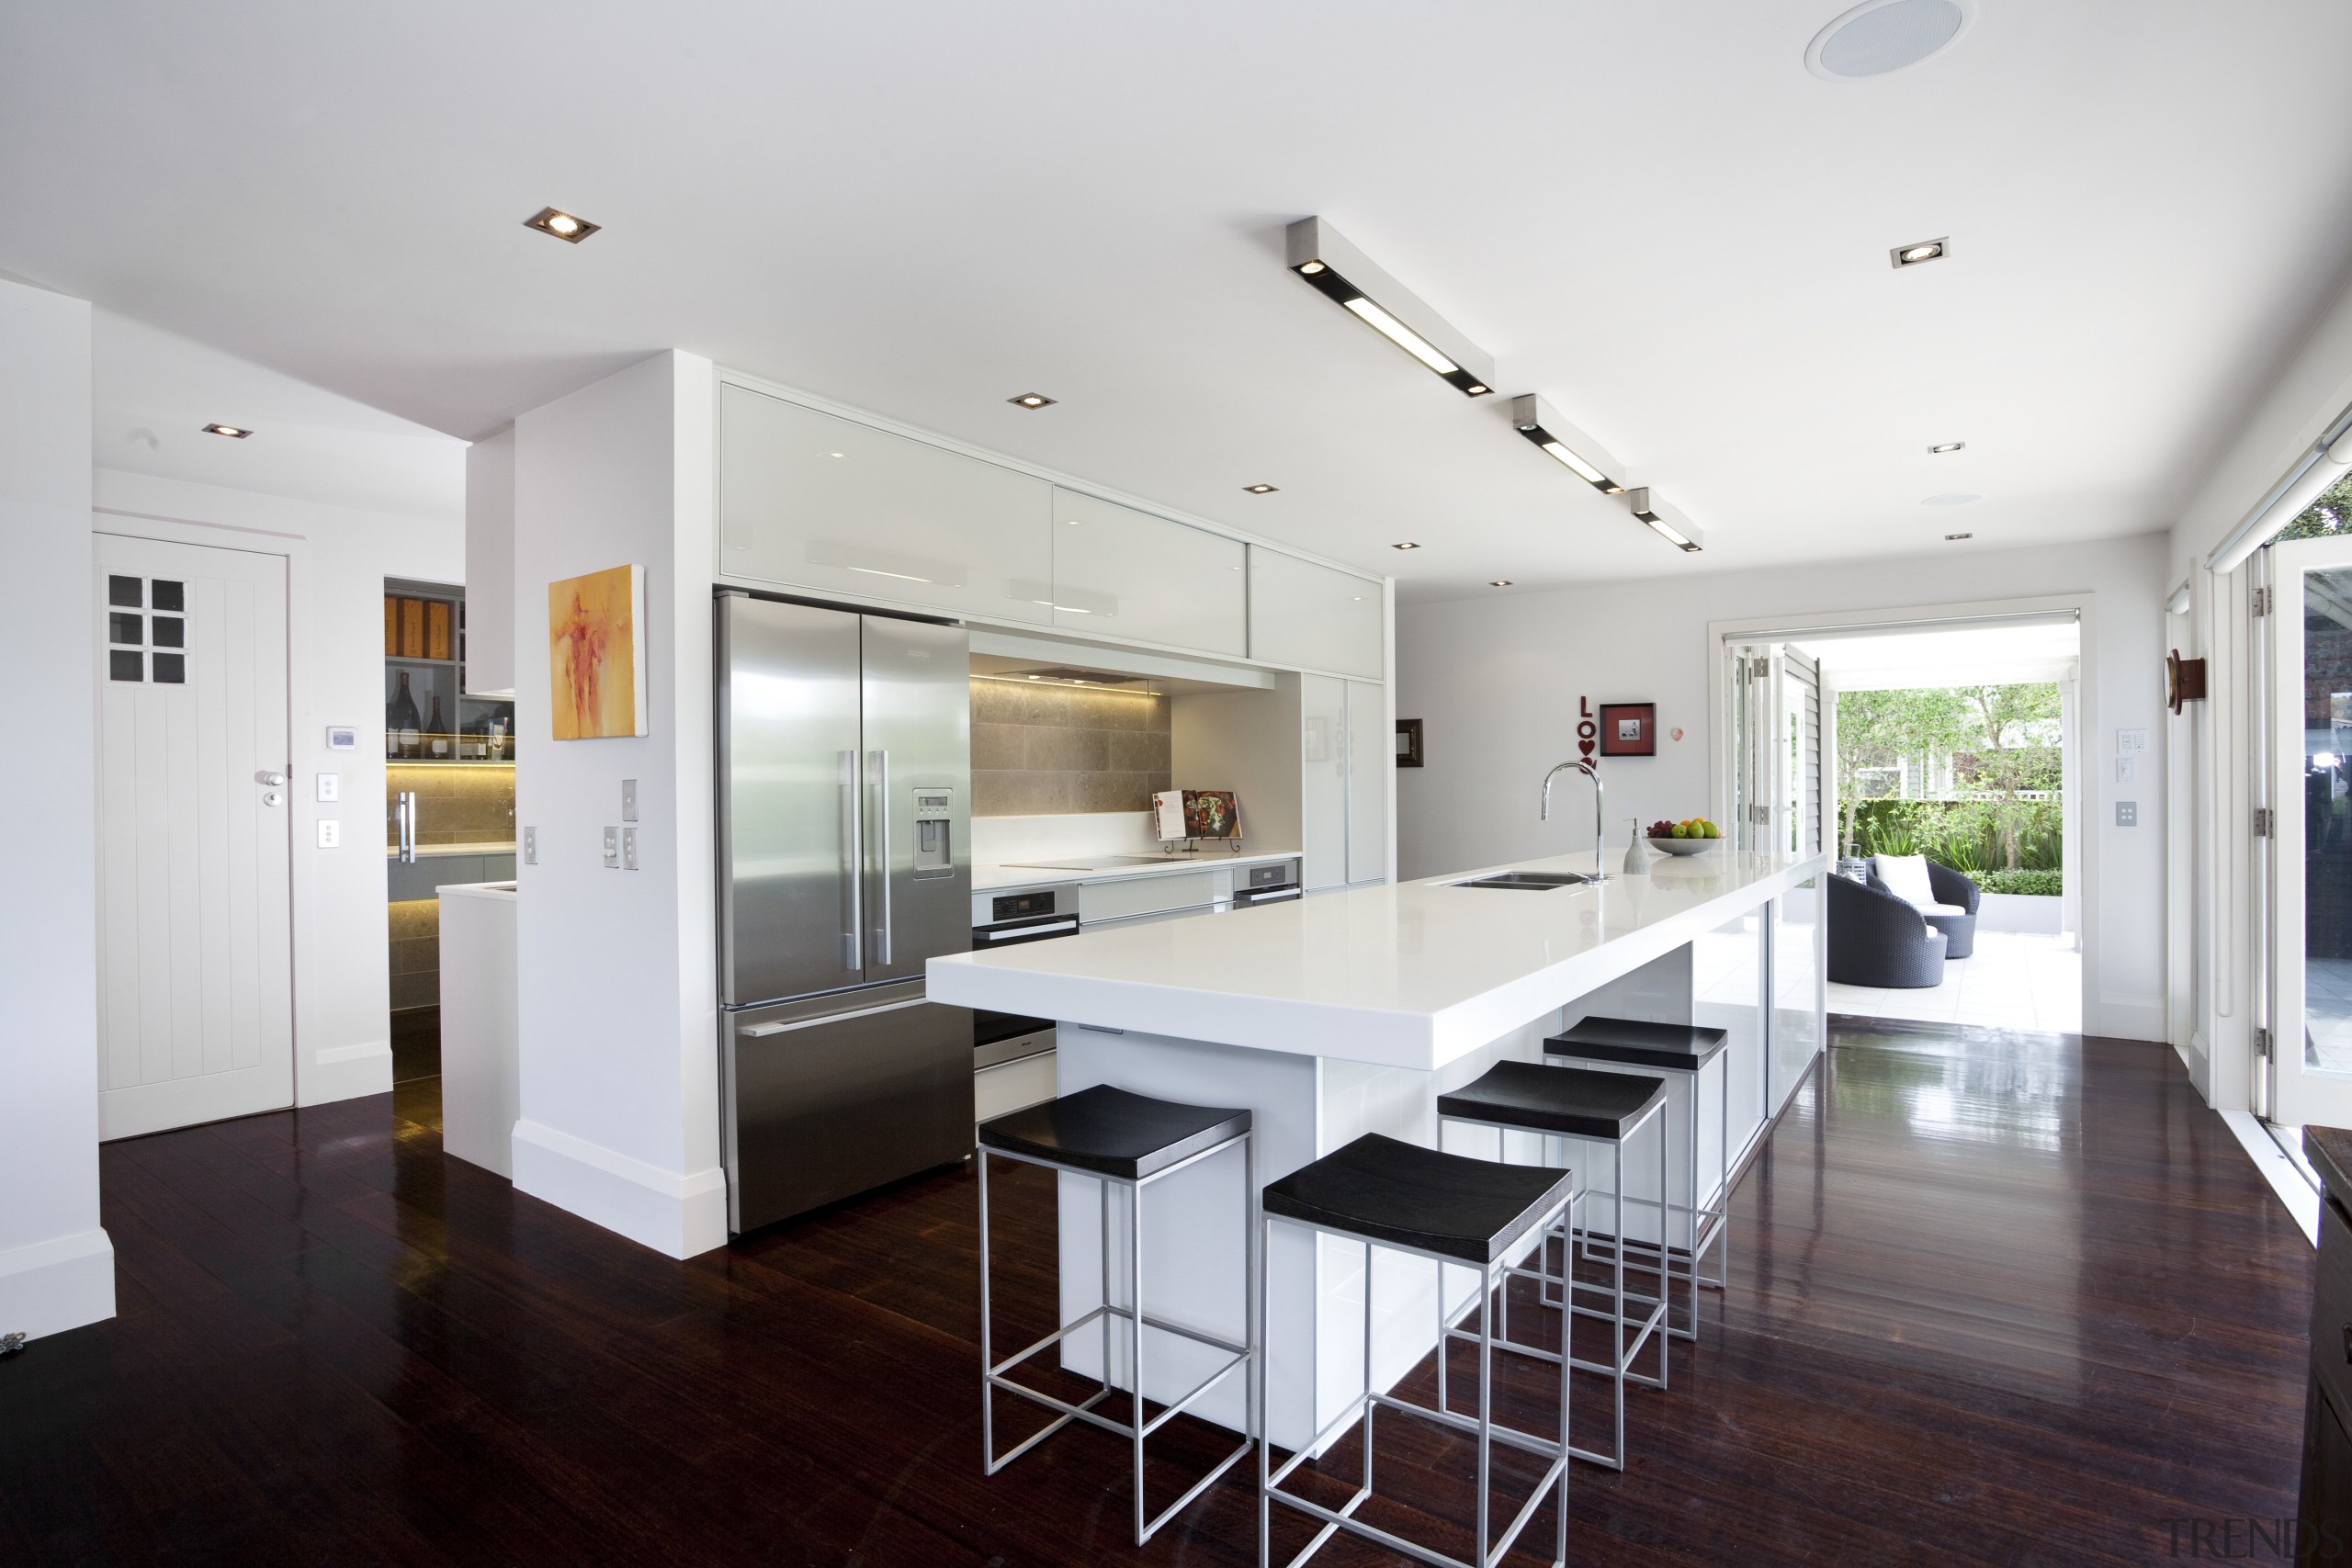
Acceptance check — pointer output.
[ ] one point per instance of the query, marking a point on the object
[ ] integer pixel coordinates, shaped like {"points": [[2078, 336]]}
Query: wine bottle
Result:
{"points": [[437, 732], [401, 720]]}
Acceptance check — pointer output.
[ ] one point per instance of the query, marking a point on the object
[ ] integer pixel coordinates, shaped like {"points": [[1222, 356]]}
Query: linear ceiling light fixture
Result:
{"points": [[1674, 529], [1565, 444], [233, 432], [563, 225], [1341, 274]]}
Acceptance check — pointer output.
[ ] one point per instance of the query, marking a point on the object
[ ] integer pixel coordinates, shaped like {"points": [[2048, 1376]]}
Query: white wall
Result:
{"points": [[56, 1264], [1495, 682], [617, 997], [337, 559]]}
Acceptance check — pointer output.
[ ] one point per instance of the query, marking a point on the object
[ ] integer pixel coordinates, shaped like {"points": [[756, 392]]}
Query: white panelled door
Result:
{"points": [[195, 964]]}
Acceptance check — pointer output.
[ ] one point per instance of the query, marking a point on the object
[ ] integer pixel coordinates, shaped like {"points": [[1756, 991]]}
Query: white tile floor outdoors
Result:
{"points": [[2013, 980]]}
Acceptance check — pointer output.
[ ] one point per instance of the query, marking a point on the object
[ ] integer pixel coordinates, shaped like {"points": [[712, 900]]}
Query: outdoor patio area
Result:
{"points": [[2014, 980]]}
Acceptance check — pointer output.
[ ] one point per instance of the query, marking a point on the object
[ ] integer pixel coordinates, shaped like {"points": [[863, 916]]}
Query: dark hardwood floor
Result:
{"points": [[1996, 1299]]}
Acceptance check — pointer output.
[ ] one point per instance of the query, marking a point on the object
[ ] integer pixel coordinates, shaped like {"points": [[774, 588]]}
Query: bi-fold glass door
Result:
{"points": [[2307, 625]]}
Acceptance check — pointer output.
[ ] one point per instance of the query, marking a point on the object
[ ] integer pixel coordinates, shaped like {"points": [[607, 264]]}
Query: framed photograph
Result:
{"points": [[596, 654], [1409, 743], [1629, 729]]}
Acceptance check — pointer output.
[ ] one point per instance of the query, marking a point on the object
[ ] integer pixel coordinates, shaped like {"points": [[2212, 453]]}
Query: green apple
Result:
{"points": [[1682, 830]]}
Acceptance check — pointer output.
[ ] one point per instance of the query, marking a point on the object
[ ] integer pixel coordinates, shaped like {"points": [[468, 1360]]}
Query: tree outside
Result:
{"points": [[2331, 513], [1969, 775]]}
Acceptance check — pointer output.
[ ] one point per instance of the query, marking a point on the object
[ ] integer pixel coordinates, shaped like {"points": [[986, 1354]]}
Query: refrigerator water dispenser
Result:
{"points": [[934, 846]]}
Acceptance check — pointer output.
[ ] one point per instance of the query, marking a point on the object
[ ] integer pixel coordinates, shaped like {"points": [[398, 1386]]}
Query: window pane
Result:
{"points": [[124, 628], [124, 666], [122, 591], [171, 668], [167, 595], [169, 631], [2327, 826]]}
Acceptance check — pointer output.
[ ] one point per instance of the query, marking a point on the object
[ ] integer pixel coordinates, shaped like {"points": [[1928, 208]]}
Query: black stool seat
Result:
{"points": [[1682, 1048], [1555, 1100], [1110, 1132], [1471, 1209]]}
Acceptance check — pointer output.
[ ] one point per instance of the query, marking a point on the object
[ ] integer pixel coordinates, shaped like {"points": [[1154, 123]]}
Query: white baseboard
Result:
{"points": [[681, 1215], [2299, 1195], [344, 1072], [51, 1286], [2125, 1018]]}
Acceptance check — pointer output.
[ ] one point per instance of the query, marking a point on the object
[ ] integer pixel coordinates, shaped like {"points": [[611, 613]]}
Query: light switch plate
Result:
{"points": [[612, 849], [628, 800], [330, 787], [530, 846], [628, 848], [2127, 770], [2127, 814], [2130, 740], [330, 833]]}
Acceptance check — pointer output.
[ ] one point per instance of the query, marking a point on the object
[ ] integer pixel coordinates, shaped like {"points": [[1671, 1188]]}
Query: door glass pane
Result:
{"points": [[2328, 820]]}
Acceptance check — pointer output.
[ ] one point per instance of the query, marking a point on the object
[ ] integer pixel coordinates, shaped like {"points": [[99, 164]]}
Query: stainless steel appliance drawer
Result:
{"points": [[832, 1096]]}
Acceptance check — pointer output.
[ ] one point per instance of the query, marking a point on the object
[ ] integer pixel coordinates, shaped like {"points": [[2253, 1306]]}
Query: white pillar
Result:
{"points": [[56, 1264]]}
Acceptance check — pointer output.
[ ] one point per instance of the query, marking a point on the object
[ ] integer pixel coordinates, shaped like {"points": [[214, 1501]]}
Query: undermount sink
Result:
{"points": [[1534, 881]]}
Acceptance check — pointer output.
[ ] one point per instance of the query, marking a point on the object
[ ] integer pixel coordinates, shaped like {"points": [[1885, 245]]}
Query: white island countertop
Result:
{"points": [[1411, 974]]}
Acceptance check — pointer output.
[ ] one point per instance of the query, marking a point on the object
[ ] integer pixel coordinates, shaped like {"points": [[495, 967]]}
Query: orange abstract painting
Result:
{"points": [[596, 654]]}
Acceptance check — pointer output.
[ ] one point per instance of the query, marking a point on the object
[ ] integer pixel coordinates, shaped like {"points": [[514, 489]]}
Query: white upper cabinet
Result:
{"points": [[1322, 780], [815, 500], [1127, 574], [1315, 617]]}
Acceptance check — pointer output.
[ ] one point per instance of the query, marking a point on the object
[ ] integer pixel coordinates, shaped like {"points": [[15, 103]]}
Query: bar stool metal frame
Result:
{"points": [[1619, 1370], [1240, 1356], [1554, 1481], [1707, 1226]]}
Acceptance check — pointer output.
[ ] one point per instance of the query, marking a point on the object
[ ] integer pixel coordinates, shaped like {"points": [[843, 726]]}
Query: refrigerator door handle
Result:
{"points": [[882, 854], [852, 949], [764, 1031]]}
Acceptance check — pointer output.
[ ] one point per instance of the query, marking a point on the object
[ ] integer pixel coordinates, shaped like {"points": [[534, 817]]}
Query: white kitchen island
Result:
{"points": [[1349, 1013]]}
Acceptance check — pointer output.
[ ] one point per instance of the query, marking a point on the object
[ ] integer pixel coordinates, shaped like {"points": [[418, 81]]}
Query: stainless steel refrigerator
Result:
{"points": [[845, 863]]}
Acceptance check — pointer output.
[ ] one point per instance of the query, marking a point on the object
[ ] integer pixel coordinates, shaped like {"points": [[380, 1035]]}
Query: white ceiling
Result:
{"points": [[1957, 656], [1651, 214]]}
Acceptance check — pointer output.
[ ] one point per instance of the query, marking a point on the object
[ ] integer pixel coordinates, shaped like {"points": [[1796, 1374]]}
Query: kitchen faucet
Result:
{"points": [[1590, 769]]}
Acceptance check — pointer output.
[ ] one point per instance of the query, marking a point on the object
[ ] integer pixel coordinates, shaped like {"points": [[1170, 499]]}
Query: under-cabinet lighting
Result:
{"points": [[568, 227], [233, 432], [1653, 512], [1343, 274], [1103, 687], [878, 571], [1563, 444]]}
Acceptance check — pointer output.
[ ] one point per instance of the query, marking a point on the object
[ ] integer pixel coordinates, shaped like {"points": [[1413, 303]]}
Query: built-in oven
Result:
{"points": [[1268, 883], [1008, 919]]}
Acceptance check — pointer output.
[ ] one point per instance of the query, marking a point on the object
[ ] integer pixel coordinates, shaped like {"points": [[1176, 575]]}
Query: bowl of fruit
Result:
{"points": [[1695, 836]]}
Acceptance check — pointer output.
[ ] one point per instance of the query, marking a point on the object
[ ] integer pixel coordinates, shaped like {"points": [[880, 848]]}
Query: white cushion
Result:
{"points": [[1940, 908], [1906, 878]]}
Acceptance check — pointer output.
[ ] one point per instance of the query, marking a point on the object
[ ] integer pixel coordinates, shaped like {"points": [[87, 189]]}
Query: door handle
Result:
{"points": [[882, 853], [853, 836], [273, 781], [404, 812]]}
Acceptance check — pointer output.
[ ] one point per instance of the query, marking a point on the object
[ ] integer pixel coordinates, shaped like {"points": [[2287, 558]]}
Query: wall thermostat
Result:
{"points": [[342, 737]]}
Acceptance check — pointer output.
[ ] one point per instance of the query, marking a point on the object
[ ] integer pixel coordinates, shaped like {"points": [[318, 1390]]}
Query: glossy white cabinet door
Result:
{"points": [[810, 500], [1323, 781], [1129, 574], [1371, 756], [1313, 616]]}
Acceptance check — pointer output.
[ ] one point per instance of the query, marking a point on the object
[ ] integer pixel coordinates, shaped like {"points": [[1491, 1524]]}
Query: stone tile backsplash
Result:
{"points": [[1044, 749], [456, 804]]}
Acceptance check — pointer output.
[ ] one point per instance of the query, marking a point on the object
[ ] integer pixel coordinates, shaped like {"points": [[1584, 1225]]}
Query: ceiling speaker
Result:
{"points": [[1882, 36]]}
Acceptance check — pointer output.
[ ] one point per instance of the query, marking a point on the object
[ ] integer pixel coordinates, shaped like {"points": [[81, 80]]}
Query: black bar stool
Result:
{"points": [[1449, 1209], [1681, 1050], [1131, 1141], [1604, 1108]]}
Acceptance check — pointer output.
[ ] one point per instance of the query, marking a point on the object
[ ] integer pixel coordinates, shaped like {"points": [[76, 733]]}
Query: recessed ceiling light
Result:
{"points": [[1341, 274], [1949, 538], [1925, 250], [1262, 489], [1032, 400], [836, 454], [1882, 36], [1956, 499], [563, 225], [1407, 544], [1500, 582], [233, 432], [1948, 447]]}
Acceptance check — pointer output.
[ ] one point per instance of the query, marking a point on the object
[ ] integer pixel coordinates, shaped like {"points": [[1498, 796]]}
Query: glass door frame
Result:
{"points": [[2294, 1093]]}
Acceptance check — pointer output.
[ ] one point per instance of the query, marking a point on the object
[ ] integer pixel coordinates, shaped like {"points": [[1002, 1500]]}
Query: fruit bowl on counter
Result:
{"points": [[1694, 836]]}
